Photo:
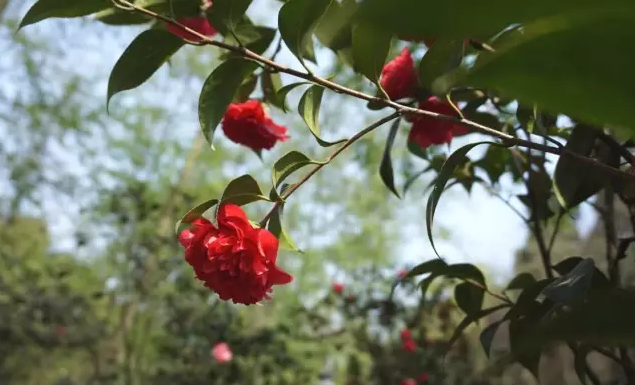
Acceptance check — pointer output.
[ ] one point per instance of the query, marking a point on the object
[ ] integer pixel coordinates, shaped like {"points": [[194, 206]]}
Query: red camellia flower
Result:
{"points": [[399, 77], [409, 381], [427, 131], [338, 287], [405, 335], [235, 260], [409, 346], [199, 24], [424, 378], [222, 353], [248, 124]]}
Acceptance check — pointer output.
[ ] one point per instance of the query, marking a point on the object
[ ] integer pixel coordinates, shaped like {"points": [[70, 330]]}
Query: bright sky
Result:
{"points": [[480, 229]]}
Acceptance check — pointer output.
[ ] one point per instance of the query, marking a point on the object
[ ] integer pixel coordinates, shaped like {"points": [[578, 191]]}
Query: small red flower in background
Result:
{"points": [[338, 287], [405, 335], [235, 260], [402, 273], [409, 381], [399, 77], [409, 346], [424, 378], [199, 24], [248, 124], [222, 353], [60, 331], [427, 131]]}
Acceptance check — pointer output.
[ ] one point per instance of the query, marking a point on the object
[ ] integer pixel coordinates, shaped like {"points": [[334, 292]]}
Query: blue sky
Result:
{"points": [[476, 228]]}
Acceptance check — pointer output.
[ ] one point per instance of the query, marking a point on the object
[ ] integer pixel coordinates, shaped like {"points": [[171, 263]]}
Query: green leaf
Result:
{"points": [[46, 9], [469, 298], [470, 319], [194, 213], [282, 93], [487, 336], [385, 168], [457, 158], [297, 20], [334, 29], [593, 88], [521, 281], [526, 355], [243, 190], [309, 109], [599, 280], [573, 183], [527, 299], [431, 266], [444, 55], [143, 57], [245, 89], [276, 228], [288, 164], [219, 89], [271, 84], [573, 286], [461, 19], [116, 16], [370, 50], [226, 15]]}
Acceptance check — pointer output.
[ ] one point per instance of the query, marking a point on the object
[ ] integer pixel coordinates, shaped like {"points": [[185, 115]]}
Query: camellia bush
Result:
{"points": [[542, 80]]}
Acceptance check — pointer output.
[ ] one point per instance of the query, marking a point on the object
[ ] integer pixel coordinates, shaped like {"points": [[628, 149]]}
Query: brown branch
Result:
{"points": [[507, 139]]}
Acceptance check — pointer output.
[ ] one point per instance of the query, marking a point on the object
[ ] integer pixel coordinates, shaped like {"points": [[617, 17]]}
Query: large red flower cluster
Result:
{"points": [[399, 80], [235, 260]]}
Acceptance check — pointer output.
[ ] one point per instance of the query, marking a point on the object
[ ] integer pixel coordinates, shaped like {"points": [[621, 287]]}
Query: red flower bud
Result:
{"points": [[409, 381], [405, 335], [338, 287], [427, 131], [409, 346], [399, 77], [249, 125], [197, 23], [235, 260], [402, 273], [424, 378]]}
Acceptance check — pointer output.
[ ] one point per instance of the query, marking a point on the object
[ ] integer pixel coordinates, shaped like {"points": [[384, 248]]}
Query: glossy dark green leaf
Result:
{"points": [[573, 286], [370, 50], [115, 16], [309, 109], [566, 266], [227, 13], [444, 56], [297, 20], [527, 299], [277, 229], [271, 84], [282, 93], [470, 319], [246, 89], [461, 19], [593, 88], [431, 266], [524, 352], [194, 213], [219, 90], [458, 157], [521, 281], [334, 29], [385, 168], [243, 190], [143, 57], [46, 9], [469, 298], [288, 164], [487, 336]]}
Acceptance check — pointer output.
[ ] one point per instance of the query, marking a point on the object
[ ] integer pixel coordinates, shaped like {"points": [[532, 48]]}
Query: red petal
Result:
{"points": [[277, 276], [185, 238], [268, 245], [230, 211]]}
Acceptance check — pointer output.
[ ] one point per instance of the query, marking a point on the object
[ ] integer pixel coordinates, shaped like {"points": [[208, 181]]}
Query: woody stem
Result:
{"points": [[328, 160], [507, 139]]}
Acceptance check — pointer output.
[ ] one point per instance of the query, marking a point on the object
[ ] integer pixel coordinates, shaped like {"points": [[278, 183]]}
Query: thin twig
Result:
{"points": [[328, 160], [507, 139]]}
